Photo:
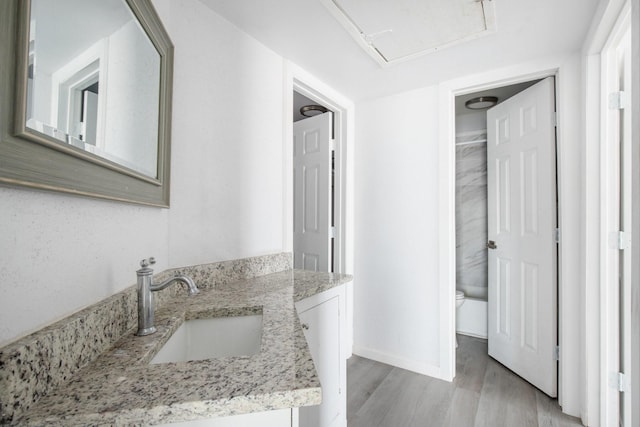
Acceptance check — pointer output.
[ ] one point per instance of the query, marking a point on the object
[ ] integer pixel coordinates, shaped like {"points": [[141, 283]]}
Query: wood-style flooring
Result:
{"points": [[484, 393]]}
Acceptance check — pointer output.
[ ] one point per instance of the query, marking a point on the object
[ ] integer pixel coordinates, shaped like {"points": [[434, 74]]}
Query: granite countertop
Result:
{"points": [[122, 388]]}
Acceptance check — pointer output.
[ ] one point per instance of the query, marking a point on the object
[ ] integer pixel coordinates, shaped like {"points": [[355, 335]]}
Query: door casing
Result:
{"points": [[342, 257], [299, 80], [568, 132], [595, 47], [615, 215]]}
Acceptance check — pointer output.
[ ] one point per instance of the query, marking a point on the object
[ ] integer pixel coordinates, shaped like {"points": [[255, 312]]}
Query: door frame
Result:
{"points": [[635, 222], [339, 251], [602, 28], [299, 80], [611, 347], [568, 167]]}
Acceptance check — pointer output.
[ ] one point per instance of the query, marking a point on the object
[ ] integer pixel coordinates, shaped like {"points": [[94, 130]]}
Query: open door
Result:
{"points": [[522, 257], [312, 193]]}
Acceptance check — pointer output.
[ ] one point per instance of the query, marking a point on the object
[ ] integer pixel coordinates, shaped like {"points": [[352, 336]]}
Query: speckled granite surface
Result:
{"points": [[120, 387], [42, 361]]}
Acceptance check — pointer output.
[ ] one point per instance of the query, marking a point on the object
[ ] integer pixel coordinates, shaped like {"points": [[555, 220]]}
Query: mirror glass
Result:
{"points": [[93, 81]]}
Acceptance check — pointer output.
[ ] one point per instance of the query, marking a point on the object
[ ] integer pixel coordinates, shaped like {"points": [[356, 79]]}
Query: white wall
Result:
{"points": [[469, 122], [404, 208], [60, 253], [396, 220], [226, 188]]}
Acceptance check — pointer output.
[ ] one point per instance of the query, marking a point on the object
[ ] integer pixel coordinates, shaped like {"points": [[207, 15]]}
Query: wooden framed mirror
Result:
{"points": [[88, 105]]}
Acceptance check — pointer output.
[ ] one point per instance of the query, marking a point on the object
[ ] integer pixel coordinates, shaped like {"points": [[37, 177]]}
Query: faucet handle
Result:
{"points": [[146, 262]]}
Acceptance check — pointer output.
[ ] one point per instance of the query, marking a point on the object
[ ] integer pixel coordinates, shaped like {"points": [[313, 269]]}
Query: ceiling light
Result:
{"points": [[481, 102], [312, 110]]}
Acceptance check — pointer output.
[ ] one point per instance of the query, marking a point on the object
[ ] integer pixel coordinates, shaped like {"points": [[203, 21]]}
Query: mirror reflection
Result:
{"points": [[94, 80]]}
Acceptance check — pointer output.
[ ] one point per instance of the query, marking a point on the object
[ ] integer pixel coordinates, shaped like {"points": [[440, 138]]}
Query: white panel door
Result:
{"points": [[522, 249], [312, 193]]}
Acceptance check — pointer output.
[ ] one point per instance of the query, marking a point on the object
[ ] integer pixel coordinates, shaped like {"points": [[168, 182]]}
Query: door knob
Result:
{"points": [[492, 245]]}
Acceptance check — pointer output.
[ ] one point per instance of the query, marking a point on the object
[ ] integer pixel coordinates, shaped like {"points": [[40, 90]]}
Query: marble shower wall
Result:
{"points": [[471, 216]]}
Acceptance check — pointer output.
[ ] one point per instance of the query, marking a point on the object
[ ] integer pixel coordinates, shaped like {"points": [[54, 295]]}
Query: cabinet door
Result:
{"points": [[321, 325]]}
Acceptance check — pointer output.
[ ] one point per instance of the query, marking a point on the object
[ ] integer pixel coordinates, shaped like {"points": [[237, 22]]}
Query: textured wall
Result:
{"points": [[471, 218], [227, 185], [60, 253], [396, 227]]}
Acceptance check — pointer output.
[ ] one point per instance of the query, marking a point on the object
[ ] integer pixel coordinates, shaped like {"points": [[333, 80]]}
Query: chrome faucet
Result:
{"points": [[145, 296]]}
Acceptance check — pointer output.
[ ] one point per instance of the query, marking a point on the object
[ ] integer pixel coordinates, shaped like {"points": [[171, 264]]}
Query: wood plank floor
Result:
{"points": [[483, 394]]}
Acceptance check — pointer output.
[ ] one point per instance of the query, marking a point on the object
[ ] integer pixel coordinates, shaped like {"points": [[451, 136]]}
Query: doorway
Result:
{"points": [[505, 223], [305, 90], [299, 81], [313, 185], [471, 205]]}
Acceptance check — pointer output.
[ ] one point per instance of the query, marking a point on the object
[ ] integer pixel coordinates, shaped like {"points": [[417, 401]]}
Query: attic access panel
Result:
{"points": [[397, 30]]}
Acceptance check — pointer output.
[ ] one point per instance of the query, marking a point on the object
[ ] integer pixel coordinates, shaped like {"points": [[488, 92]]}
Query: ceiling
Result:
{"points": [[306, 33], [411, 28]]}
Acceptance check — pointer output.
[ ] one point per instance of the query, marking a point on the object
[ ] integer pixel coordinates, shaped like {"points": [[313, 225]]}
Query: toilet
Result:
{"points": [[459, 302]]}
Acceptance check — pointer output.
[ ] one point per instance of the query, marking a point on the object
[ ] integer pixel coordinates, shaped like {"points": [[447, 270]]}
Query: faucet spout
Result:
{"points": [[193, 289], [145, 295]]}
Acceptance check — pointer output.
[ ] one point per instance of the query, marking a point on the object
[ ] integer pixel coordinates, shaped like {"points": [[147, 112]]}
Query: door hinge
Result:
{"points": [[618, 100], [332, 144], [556, 353], [621, 382], [556, 235], [554, 119], [624, 240], [620, 240], [332, 232]]}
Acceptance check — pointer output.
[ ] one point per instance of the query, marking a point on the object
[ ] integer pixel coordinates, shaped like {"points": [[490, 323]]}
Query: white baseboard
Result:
{"points": [[399, 362], [469, 334]]}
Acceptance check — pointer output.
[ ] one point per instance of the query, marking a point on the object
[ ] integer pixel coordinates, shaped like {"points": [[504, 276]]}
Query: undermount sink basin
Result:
{"points": [[212, 338]]}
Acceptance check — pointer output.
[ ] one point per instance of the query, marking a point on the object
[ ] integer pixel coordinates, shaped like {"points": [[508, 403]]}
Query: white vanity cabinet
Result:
{"points": [[324, 324]]}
